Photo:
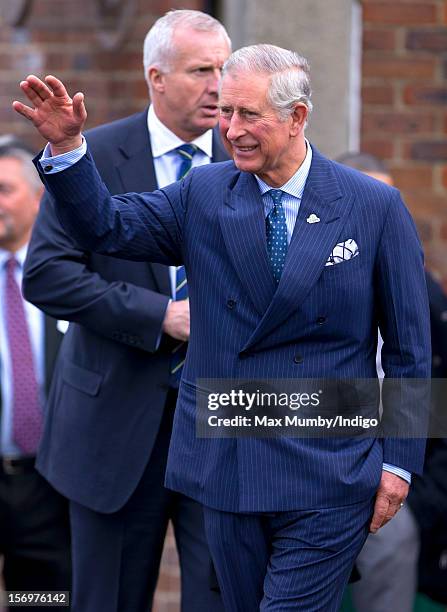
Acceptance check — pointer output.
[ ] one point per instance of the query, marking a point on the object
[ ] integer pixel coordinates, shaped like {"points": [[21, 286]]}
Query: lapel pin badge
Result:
{"points": [[313, 218]]}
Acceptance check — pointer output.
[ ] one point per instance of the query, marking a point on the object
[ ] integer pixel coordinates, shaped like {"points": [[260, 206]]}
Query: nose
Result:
{"points": [[235, 128], [213, 81]]}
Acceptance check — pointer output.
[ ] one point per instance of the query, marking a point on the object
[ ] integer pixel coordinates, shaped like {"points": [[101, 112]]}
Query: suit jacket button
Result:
{"points": [[321, 320], [231, 304], [47, 168], [298, 359]]}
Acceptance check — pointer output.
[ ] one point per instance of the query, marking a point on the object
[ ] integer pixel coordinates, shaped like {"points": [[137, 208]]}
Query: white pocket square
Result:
{"points": [[342, 252], [62, 326]]}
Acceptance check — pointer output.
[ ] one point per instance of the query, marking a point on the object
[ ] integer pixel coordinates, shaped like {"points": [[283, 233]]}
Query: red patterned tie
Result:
{"points": [[27, 415]]}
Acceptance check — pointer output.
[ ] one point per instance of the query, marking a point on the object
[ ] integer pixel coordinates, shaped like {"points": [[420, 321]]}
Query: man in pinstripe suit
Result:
{"points": [[285, 517]]}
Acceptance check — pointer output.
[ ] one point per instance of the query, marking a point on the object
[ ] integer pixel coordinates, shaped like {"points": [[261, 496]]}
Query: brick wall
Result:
{"points": [[61, 37], [404, 115]]}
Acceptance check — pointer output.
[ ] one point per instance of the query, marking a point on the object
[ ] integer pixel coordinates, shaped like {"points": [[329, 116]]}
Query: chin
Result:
{"points": [[246, 166]]}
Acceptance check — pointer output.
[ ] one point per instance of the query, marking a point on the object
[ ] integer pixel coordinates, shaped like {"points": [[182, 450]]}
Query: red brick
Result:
{"points": [[400, 13], [161, 6], [445, 11], [444, 176], [427, 40], [423, 203], [416, 94], [428, 150], [384, 149], [125, 60], [379, 40], [412, 177], [377, 94], [397, 122], [399, 68]]}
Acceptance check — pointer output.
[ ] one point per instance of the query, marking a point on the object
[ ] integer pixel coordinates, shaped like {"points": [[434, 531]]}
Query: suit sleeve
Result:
{"points": [[404, 322], [138, 227], [59, 281]]}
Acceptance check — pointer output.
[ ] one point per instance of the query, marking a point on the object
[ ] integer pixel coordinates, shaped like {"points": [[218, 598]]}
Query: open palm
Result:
{"points": [[58, 118]]}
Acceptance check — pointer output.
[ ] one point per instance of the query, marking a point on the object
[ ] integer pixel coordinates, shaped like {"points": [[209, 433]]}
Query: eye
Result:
{"points": [[203, 70], [225, 111], [249, 114]]}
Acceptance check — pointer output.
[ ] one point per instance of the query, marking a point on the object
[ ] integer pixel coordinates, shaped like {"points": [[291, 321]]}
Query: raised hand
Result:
{"points": [[57, 117]]}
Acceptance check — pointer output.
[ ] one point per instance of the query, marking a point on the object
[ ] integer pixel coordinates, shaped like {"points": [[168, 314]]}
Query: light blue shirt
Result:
{"points": [[36, 325], [293, 192], [291, 202]]}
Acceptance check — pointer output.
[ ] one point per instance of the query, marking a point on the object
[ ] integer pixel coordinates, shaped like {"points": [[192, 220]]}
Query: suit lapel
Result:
{"points": [[240, 217], [137, 173], [310, 246], [135, 166]]}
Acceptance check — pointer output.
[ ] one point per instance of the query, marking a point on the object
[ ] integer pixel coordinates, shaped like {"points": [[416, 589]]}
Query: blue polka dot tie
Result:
{"points": [[276, 230]]}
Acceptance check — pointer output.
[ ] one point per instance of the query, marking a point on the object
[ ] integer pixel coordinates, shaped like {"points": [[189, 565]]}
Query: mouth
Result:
{"points": [[243, 151], [210, 109]]}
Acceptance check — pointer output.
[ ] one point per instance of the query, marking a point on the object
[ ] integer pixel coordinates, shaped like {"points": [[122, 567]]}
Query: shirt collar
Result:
{"points": [[163, 140], [19, 255], [296, 183]]}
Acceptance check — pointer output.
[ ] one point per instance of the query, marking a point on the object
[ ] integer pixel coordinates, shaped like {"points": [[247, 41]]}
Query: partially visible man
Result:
{"points": [[34, 526], [112, 402], [388, 562], [293, 262]]}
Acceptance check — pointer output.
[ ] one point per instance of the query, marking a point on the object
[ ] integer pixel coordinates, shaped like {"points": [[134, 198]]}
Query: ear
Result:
{"points": [[156, 79], [298, 119]]}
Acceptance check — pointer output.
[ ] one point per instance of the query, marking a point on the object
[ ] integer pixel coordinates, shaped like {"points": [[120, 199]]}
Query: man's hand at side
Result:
{"points": [[391, 493], [176, 321], [57, 117]]}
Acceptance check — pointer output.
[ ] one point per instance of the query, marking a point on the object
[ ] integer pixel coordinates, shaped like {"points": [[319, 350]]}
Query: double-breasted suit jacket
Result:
{"points": [[319, 322]]}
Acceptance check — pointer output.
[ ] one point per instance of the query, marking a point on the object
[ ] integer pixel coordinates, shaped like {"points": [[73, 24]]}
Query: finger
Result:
{"points": [[79, 107], [392, 510], [23, 110], [380, 512], [38, 86], [31, 94], [57, 86]]}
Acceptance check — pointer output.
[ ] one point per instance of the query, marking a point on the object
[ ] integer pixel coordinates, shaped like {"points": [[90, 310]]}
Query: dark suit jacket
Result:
{"points": [[110, 385], [320, 322]]}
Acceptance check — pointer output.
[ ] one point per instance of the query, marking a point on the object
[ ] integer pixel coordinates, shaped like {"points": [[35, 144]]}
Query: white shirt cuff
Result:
{"points": [[398, 471], [52, 164]]}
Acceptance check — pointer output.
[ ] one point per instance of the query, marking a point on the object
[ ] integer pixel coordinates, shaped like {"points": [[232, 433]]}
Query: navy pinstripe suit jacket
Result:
{"points": [[243, 327]]}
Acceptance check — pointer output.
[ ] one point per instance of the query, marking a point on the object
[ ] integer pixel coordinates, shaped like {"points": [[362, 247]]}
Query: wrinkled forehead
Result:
{"points": [[249, 83]]}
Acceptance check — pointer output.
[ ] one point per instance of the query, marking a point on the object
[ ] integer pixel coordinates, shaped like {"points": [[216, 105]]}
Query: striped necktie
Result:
{"points": [[276, 231], [186, 152], [27, 414]]}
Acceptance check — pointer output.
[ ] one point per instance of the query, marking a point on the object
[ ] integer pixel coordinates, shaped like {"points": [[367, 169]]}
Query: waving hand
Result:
{"points": [[57, 117]]}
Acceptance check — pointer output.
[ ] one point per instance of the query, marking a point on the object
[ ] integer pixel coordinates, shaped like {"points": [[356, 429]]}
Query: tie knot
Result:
{"points": [[276, 195], [187, 151]]}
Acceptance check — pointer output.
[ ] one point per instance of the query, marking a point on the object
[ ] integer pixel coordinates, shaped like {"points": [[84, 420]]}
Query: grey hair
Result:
{"points": [[290, 82], [25, 157], [157, 48]]}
